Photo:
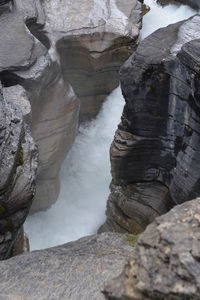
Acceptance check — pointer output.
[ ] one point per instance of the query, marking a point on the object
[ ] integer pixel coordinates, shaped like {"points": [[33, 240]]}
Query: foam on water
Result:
{"points": [[85, 175], [85, 178]]}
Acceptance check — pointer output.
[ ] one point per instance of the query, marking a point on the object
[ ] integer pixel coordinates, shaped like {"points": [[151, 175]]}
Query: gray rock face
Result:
{"points": [[92, 44], [76, 270], [46, 46], [155, 152], [193, 3], [166, 261], [24, 60], [18, 164]]}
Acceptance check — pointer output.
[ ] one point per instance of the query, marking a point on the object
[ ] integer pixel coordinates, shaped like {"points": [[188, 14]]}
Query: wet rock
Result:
{"points": [[92, 44], [76, 270], [21, 244], [18, 164], [155, 160], [193, 3], [166, 261]]}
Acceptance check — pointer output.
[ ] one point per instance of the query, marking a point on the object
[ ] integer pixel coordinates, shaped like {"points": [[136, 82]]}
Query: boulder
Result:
{"points": [[155, 161], [76, 270], [166, 260], [18, 164]]}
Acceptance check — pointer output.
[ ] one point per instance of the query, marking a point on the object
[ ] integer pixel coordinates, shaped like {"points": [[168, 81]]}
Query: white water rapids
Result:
{"points": [[85, 175]]}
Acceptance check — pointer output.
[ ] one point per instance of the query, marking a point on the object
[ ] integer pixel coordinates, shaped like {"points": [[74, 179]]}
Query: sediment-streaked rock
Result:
{"points": [[18, 164], [92, 44], [76, 270], [155, 159], [166, 260]]}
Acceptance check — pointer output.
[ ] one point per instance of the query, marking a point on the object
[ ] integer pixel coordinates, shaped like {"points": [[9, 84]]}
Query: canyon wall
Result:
{"points": [[92, 44], [155, 160], [18, 159], [50, 50]]}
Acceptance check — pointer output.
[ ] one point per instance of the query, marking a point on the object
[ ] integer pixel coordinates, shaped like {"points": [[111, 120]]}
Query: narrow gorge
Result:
{"points": [[100, 164]]}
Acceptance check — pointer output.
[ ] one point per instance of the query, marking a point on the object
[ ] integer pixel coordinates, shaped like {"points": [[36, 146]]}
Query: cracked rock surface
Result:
{"points": [[18, 164], [166, 260]]}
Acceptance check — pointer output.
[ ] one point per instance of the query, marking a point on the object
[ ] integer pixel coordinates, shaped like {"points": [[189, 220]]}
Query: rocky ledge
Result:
{"points": [[76, 270], [164, 265], [166, 260], [155, 154]]}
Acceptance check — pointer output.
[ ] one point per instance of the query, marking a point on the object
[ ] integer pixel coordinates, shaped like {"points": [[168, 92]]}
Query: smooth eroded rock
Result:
{"points": [[74, 271], [92, 44]]}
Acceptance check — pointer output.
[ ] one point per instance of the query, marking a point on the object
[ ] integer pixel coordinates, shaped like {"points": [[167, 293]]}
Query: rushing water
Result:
{"points": [[85, 175]]}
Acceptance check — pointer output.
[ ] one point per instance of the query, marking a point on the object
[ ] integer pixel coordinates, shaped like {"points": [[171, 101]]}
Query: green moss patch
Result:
{"points": [[21, 156], [131, 239]]}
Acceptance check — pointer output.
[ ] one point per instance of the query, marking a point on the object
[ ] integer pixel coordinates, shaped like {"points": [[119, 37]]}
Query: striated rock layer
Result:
{"points": [[155, 155], [76, 270], [45, 47], [24, 60], [92, 44], [18, 164], [166, 261]]}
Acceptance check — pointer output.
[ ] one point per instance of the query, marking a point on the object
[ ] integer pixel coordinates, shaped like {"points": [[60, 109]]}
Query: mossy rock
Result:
{"points": [[21, 156], [131, 239]]}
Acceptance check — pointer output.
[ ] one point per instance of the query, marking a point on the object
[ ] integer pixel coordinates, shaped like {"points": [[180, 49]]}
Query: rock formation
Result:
{"points": [[45, 46], [92, 44], [193, 3], [18, 164], [155, 159], [76, 270], [166, 261], [24, 60]]}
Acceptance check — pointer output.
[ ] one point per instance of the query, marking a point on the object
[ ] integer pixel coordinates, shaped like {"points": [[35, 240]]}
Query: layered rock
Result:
{"points": [[46, 46], [155, 159], [25, 60], [18, 164], [76, 270], [92, 44], [166, 261]]}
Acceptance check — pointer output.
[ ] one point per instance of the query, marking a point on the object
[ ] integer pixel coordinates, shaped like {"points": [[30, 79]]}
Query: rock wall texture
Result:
{"points": [[76, 270], [193, 3], [45, 47], [18, 164], [155, 160], [166, 260], [92, 44]]}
